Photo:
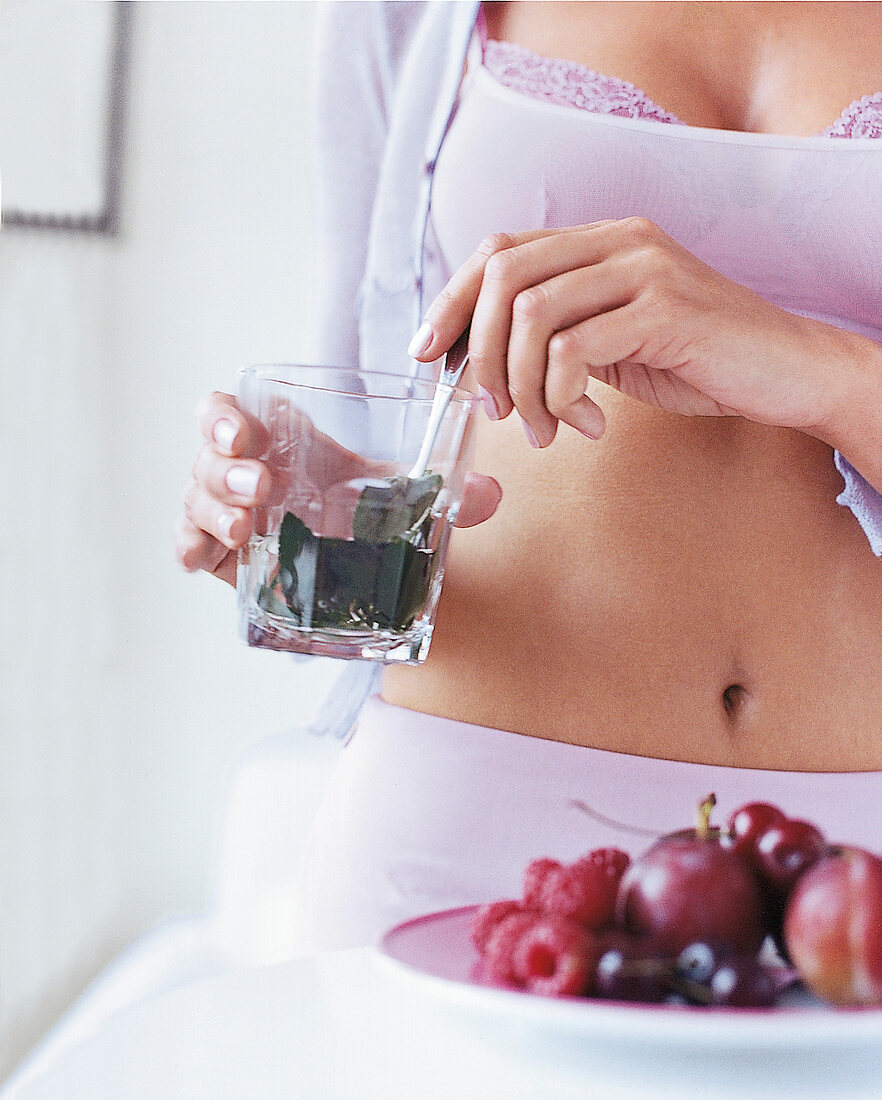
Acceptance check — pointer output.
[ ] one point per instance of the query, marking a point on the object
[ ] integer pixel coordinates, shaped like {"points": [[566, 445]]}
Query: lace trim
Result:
{"points": [[569, 84], [861, 119]]}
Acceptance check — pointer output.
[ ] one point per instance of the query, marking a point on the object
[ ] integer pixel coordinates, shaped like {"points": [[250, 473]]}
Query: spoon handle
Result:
{"points": [[455, 362]]}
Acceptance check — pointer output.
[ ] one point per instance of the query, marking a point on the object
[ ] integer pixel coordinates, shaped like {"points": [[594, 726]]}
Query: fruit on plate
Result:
{"points": [[684, 923], [833, 927], [556, 957], [780, 849], [545, 940], [689, 886]]}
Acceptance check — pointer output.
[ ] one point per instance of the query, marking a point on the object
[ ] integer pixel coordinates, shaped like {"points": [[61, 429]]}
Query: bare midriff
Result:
{"points": [[685, 588]]}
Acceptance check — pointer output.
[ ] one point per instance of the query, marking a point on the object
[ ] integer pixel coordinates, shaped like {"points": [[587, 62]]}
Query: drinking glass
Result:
{"points": [[347, 557]]}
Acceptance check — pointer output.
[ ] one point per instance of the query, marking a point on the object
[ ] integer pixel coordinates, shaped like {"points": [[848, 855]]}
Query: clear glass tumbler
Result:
{"points": [[347, 558]]}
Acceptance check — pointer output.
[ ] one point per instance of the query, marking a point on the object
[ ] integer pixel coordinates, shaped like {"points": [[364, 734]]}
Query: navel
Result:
{"points": [[734, 698]]}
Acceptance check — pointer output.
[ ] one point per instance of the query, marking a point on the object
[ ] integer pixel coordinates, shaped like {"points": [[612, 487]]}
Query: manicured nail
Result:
{"points": [[530, 434], [225, 523], [421, 340], [225, 432], [489, 403], [242, 480]]}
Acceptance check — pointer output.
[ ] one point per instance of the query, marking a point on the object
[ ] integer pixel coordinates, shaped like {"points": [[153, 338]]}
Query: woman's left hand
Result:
{"points": [[621, 302]]}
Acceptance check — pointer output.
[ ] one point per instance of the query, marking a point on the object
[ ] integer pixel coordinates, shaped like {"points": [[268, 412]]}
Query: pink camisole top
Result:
{"points": [[544, 143]]}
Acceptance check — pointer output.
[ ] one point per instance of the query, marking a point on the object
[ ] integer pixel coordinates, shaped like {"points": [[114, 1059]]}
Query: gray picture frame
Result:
{"points": [[102, 212]]}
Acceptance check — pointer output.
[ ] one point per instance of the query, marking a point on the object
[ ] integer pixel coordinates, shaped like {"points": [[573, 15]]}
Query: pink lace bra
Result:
{"points": [[568, 83]]}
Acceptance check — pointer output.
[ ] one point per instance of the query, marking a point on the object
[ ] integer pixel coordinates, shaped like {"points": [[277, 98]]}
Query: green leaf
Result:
{"points": [[293, 535], [296, 543], [390, 508], [361, 583]]}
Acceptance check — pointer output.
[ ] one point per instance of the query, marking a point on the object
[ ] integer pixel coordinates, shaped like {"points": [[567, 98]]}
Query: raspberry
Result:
{"points": [[502, 945], [555, 957], [585, 891], [536, 873], [487, 918]]}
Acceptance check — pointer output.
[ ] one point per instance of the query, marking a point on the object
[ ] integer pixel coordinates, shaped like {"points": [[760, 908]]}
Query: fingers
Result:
{"points": [[228, 428], [519, 306], [481, 497], [227, 482], [452, 310], [239, 482], [517, 292], [196, 550], [227, 523], [547, 369]]}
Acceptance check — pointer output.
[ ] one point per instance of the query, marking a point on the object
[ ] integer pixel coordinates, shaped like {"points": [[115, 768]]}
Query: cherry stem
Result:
{"points": [[611, 821], [705, 808]]}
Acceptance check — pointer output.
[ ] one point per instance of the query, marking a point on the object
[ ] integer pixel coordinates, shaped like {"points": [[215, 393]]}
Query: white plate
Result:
{"points": [[434, 956]]}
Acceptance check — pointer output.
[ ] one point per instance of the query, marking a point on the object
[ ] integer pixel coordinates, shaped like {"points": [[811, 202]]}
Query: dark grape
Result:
{"points": [[628, 971], [697, 962], [742, 983]]}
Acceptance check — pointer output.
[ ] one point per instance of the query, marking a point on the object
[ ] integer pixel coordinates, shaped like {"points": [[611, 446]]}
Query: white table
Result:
{"points": [[340, 1027]]}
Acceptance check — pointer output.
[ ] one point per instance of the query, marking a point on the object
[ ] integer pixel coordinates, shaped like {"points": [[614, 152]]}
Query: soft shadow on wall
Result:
{"points": [[126, 694]]}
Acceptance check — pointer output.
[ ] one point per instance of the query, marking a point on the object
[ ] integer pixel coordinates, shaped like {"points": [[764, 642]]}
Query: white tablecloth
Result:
{"points": [[339, 1027]]}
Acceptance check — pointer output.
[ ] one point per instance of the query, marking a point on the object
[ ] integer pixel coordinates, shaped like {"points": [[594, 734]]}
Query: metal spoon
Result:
{"points": [[455, 362]]}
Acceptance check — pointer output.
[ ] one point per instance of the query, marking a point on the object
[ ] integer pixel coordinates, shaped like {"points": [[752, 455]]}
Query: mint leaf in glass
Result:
{"points": [[378, 580], [389, 508]]}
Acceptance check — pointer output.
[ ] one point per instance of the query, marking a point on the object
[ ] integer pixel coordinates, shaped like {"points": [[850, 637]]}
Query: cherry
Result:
{"points": [[779, 847], [748, 823], [785, 850]]}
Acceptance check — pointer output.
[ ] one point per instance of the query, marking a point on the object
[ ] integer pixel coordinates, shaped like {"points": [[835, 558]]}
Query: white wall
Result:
{"points": [[125, 694]]}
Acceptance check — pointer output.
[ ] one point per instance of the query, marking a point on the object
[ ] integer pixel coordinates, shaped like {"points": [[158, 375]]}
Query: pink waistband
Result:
{"points": [[642, 792], [425, 813]]}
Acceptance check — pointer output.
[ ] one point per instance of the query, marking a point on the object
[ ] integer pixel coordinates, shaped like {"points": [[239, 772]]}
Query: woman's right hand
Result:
{"points": [[227, 482]]}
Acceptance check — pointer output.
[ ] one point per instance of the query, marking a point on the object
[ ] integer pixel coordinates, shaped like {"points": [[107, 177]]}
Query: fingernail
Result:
{"points": [[530, 434], [421, 340], [225, 523], [242, 480], [489, 403], [225, 432]]}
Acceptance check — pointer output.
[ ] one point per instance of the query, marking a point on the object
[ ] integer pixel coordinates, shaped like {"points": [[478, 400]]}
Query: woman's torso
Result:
{"points": [[686, 587]]}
